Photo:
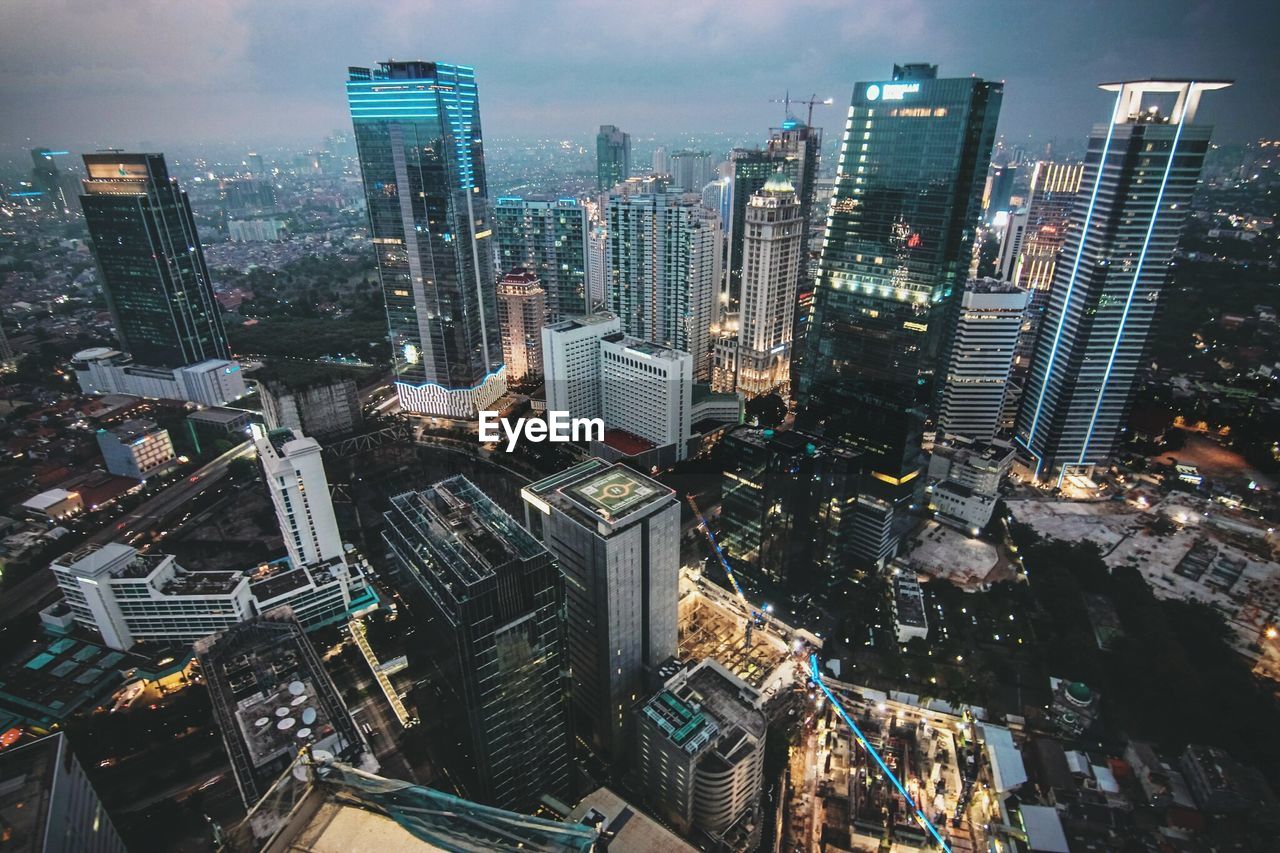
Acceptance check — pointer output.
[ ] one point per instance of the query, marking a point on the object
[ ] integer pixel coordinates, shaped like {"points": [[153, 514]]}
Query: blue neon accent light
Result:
{"points": [[27, 194], [1071, 282], [1133, 287], [816, 674]]}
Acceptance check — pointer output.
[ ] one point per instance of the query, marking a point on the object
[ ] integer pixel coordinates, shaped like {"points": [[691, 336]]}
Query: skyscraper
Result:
{"points": [[1140, 173], [980, 354], [896, 251], [661, 161], [664, 267], [50, 181], [571, 363], [494, 595], [798, 147], [613, 157], [616, 535], [522, 309], [153, 270], [759, 359], [294, 471], [548, 237], [417, 129], [692, 170]]}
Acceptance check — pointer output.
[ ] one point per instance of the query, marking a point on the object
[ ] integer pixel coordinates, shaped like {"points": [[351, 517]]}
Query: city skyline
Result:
{"points": [[241, 87]]}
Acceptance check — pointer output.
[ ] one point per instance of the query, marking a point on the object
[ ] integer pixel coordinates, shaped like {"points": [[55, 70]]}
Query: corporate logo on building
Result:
{"points": [[558, 426], [891, 91]]}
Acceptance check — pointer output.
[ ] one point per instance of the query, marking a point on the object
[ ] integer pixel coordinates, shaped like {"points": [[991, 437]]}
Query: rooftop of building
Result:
{"points": [[632, 830], [701, 704], [133, 431], [647, 349], [582, 322], [992, 285], [626, 443], [48, 681], [908, 600], [278, 577], [219, 415], [520, 280], [597, 491], [469, 533]]}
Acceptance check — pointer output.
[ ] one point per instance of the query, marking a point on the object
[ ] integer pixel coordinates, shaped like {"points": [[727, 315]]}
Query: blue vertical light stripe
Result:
{"points": [[1071, 282], [1133, 286]]}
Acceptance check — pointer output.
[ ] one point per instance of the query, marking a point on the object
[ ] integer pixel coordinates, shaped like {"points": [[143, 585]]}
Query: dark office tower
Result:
{"points": [[999, 189], [417, 129], [153, 271], [1140, 172], [494, 597], [613, 157], [548, 237], [48, 180], [799, 148], [896, 251], [616, 534]]}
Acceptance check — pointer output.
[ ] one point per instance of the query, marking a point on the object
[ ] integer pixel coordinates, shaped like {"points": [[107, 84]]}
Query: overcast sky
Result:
{"points": [[113, 72]]}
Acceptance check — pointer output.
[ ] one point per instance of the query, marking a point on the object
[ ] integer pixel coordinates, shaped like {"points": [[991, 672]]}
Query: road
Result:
{"points": [[40, 589]]}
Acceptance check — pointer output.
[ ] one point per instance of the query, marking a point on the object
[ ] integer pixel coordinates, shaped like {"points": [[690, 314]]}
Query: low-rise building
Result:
{"points": [[961, 507], [214, 382], [137, 449], [908, 606], [54, 504]]}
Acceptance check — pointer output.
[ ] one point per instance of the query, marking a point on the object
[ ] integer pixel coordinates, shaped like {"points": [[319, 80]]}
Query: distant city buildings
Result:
{"points": [[495, 597], [255, 230], [1140, 174], [550, 238], [982, 342], [48, 803], [616, 536], [417, 129], [663, 268], [613, 157], [136, 449], [661, 161], [522, 310], [898, 242], [700, 751], [154, 276]]}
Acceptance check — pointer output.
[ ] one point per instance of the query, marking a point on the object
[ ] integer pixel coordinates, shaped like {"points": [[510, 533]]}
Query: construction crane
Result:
{"points": [[815, 675], [813, 101]]}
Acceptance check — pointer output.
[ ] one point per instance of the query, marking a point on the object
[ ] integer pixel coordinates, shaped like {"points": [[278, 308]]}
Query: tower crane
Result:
{"points": [[813, 101]]}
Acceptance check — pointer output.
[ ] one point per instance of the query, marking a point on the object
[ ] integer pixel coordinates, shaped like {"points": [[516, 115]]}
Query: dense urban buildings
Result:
{"points": [[495, 595], [421, 152], [1140, 173], [613, 157], [615, 534], [549, 238], [894, 261], [319, 404], [522, 310]]}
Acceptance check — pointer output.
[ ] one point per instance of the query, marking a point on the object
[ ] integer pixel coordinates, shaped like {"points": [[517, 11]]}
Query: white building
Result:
{"points": [[294, 471], [254, 230], [129, 597], [1011, 243], [571, 363], [647, 390], [976, 465], [982, 346], [908, 606], [136, 449], [214, 382], [759, 360], [961, 507]]}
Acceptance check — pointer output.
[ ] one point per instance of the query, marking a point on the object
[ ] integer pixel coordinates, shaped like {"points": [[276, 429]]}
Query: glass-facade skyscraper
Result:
{"points": [[495, 596], [154, 275], [548, 237], [896, 250], [421, 152], [1140, 173], [613, 157]]}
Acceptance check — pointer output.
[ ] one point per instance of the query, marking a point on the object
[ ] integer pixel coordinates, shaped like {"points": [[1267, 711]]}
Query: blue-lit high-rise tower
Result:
{"points": [[417, 129], [1140, 173], [895, 256]]}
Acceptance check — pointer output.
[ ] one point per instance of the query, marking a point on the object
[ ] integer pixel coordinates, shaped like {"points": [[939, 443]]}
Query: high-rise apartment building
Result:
{"points": [[571, 363], [664, 268], [1140, 173], [154, 276], [700, 750], [980, 355], [616, 535], [895, 255], [421, 152], [522, 310], [758, 361], [293, 469], [613, 157], [749, 169], [494, 595], [548, 237], [661, 161]]}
